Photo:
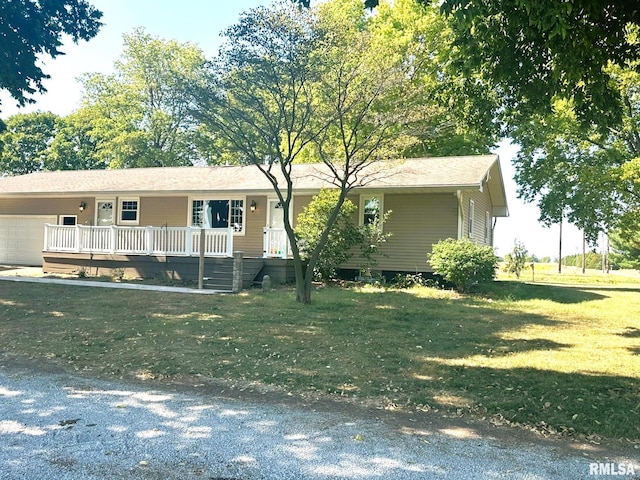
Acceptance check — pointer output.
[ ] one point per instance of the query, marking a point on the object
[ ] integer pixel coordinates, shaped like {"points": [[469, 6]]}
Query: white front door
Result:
{"points": [[276, 215], [104, 213]]}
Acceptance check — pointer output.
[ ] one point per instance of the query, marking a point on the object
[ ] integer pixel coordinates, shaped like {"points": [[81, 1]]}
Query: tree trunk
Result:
{"points": [[303, 290], [560, 249], [303, 284]]}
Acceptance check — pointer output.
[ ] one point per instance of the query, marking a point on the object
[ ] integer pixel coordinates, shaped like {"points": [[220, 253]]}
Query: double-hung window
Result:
{"points": [[218, 213], [370, 209], [129, 211]]}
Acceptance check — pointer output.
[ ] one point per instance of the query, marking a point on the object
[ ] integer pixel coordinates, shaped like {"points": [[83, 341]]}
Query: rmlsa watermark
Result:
{"points": [[612, 469]]}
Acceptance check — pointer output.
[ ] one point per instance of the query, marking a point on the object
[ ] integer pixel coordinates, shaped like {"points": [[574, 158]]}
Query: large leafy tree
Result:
{"points": [[75, 146], [141, 114], [589, 176], [30, 28], [26, 140], [535, 50], [43, 141], [450, 114], [290, 80]]}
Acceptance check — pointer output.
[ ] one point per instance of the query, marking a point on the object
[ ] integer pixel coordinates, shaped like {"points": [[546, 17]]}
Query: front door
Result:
{"points": [[276, 215], [104, 213]]}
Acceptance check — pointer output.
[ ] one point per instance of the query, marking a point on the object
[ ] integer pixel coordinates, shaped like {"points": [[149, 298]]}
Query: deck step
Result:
{"points": [[219, 273]]}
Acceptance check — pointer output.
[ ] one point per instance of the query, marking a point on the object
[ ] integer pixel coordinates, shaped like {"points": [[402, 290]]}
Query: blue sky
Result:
{"points": [[201, 22]]}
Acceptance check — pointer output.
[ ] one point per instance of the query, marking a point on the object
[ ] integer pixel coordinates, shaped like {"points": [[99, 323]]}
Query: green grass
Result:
{"points": [[552, 358]]}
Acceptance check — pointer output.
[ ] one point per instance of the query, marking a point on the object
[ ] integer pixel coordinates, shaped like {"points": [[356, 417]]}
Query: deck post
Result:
{"points": [[113, 239], [230, 251], [238, 260], [78, 239], [201, 260], [45, 247]]}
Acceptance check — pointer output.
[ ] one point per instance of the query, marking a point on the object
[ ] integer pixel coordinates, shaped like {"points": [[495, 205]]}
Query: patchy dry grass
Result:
{"points": [[554, 358]]}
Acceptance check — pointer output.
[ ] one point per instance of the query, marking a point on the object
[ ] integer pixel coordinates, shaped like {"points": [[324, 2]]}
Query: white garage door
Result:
{"points": [[22, 238]]}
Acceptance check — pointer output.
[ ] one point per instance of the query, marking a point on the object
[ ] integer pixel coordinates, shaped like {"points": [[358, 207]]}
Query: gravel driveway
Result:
{"points": [[56, 426]]}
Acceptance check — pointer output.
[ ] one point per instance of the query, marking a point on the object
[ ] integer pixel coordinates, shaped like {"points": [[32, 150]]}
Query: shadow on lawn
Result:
{"points": [[512, 290], [394, 346], [433, 344], [546, 400]]}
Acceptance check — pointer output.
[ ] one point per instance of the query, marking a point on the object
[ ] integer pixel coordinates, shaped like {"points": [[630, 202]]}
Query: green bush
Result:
{"points": [[409, 280], [344, 235], [463, 262], [516, 259]]}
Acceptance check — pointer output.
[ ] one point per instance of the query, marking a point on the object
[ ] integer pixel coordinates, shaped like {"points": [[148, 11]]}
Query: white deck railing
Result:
{"points": [[276, 243], [179, 241]]}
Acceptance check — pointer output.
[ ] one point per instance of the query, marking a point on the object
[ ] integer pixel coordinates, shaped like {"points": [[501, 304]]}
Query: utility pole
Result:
{"points": [[560, 249], [584, 253]]}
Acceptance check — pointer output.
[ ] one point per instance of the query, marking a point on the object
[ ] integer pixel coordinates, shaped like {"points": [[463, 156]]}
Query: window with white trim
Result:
{"points": [[370, 208], [68, 220], [129, 211], [218, 213], [472, 216]]}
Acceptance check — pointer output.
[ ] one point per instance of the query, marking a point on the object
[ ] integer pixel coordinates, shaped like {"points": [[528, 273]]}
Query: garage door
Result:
{"points": [[22, 238]]}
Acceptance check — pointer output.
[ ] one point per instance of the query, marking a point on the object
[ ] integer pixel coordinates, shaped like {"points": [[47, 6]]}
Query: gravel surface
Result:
{"points": [[56, 426]]}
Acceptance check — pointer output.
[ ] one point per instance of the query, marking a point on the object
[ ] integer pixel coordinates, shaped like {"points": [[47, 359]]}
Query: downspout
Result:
{"points": [[460, 214]]}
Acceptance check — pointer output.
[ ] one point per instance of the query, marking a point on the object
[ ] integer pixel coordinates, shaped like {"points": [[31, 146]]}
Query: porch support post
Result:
{"points": [[45, 247], [201, 260], [238, 260], [230, 242], [149, 240], [113, 238], [78, 239]]}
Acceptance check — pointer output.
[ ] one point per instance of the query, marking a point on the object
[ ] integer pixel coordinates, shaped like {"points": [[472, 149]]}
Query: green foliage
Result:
{"points": [[575, 173], [547, 49], [516, 259], [141, 115], [625, 246], [372, 238], [29, 28], [463, 262], [593, 260], [43, 141], [410, 280], [26, 142], [343, 234]]}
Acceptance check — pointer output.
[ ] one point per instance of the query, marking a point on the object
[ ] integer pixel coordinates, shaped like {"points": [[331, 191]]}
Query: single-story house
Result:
{"points": [[148, 221]]}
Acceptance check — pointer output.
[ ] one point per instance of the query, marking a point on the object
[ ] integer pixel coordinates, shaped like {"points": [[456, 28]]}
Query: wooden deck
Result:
{"points": [[218, 271]]}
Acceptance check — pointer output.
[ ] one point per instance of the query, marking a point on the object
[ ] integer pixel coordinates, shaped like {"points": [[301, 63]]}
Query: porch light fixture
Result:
{"points": [[82, 206], [253, 206]]}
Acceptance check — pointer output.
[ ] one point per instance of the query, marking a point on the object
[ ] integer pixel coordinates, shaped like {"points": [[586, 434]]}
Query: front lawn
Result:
{"points": [[553, 358]]}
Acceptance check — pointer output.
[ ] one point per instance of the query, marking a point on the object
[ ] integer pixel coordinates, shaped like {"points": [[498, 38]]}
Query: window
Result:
{"points": [[129, 211], [370, 208], [218, 214], [68, 220], [472, 215]]}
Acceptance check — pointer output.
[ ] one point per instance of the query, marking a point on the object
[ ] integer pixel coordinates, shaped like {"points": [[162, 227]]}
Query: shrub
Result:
{"points": [[515, 261], [343, 235], [409, 280], [463, 262]]}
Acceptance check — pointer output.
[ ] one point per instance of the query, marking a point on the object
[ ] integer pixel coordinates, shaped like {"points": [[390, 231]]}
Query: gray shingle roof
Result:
{"points": [[436, 172]]}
